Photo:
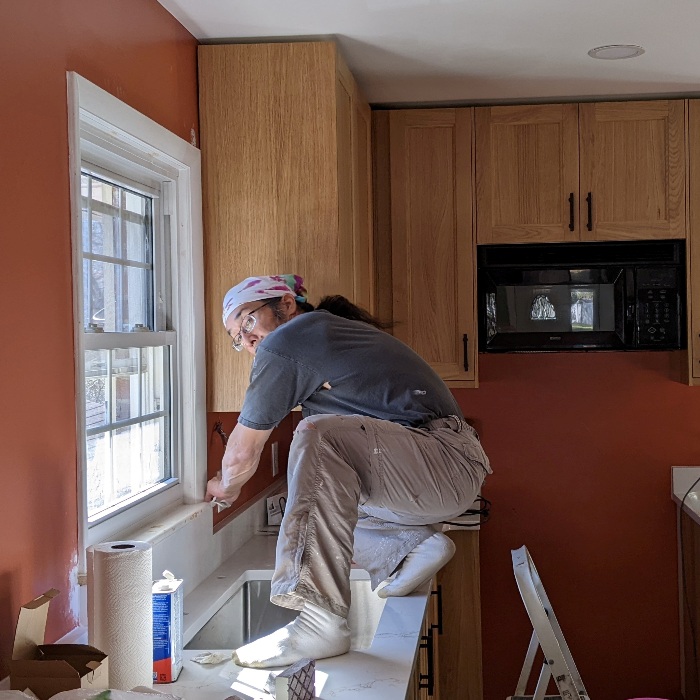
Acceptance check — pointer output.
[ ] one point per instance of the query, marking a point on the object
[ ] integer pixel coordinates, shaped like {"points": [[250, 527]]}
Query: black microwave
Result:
{"points": [[581, 296]]}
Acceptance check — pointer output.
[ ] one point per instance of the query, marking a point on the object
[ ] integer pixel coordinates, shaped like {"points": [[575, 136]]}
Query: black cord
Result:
{"points": [[693, 635], [484, 513]]}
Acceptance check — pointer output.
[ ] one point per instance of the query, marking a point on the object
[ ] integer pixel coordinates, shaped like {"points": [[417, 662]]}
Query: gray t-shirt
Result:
{"points": [[328, 364]]}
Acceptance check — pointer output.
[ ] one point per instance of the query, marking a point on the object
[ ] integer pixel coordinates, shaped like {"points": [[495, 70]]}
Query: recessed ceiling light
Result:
{"points": [[615, 51]]}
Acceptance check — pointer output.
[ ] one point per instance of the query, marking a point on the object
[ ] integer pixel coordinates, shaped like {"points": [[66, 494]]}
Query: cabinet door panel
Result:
{"points": [[526, 171], [633, 164], [432, 242], [363, 292], [277, 193], [693, 254]]}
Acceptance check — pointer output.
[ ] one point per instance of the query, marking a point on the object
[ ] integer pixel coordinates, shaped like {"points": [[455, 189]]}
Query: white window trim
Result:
{"points": [[112, 134]]}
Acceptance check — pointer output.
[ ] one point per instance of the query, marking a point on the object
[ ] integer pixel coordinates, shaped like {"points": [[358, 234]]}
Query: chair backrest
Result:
{"points": [[557, 657]]}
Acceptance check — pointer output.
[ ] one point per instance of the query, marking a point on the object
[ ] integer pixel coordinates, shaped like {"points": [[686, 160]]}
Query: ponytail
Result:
{"points": [[340, 306]]}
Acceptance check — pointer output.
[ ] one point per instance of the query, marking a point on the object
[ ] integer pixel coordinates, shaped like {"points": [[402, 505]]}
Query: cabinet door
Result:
{"points": [[272, 200], [460, 642], [693, 244], [633, 170], [527, 173], [432, 239]]}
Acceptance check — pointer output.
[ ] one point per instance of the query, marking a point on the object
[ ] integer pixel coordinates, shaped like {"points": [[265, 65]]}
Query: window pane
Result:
{"points": [[137, 242], [119, 296], [155, 376], [96, 398], [124, 460], [138, 453], [118, 242], [98, 472], [105, 234]]}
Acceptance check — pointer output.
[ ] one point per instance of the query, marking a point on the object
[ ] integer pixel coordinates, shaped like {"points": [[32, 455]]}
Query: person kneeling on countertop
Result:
{"points": [[382, 455]]}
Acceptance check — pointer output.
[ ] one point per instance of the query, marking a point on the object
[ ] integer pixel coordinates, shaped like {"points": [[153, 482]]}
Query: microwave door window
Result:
{"points": [[537, 309], [550, 309]]}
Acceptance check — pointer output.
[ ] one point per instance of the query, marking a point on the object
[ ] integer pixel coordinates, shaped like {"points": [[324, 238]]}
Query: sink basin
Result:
{"points": [[248, 614]]}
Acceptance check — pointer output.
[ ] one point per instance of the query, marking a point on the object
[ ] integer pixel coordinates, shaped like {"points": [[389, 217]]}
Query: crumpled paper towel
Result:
{"points": [[210, 657], [17, 695]]}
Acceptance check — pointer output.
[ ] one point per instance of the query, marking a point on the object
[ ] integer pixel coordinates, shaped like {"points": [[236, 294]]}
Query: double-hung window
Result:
{"points": [[138, 308]]}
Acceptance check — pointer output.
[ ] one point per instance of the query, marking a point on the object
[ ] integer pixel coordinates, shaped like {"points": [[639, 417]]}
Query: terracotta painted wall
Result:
{"points": [[582, 447], [138, 52]]}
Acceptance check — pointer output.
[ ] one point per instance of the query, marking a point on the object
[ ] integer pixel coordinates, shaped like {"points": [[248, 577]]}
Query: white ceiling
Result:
{"points": [[410, 51]]}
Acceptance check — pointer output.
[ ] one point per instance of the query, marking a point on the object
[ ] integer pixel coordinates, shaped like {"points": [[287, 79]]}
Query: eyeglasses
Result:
{"points": [[247, 325]]}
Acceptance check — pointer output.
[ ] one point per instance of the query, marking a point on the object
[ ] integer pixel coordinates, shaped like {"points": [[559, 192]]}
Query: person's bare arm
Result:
{"points": [[240, 461]]}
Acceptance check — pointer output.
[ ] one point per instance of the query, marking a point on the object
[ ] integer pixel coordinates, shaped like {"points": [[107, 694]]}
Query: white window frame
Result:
{"points": [[114, 137]]}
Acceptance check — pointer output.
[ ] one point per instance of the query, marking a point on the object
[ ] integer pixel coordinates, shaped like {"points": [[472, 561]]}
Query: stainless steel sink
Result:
{"points": [[248, 614]]}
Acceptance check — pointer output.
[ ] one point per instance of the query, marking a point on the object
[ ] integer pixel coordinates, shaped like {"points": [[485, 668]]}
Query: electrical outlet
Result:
{"points": [[275, 458]]}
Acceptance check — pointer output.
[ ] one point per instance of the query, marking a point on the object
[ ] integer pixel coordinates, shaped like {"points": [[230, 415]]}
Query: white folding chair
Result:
{"points": [[547, 635]]}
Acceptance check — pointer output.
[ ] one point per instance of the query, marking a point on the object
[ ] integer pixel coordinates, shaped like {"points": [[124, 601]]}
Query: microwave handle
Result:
{"points": [[465, 340]]}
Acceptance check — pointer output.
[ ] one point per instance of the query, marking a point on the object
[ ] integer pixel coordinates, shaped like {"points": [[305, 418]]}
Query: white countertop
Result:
{"points": [[683, 478], [381, 672]]}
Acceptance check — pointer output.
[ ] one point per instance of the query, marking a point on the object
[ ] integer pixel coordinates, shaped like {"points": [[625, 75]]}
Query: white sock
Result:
{"points": [[420, 565], [315, 634]]}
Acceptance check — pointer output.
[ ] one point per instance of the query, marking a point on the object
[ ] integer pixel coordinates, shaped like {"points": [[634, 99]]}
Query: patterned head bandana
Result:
{"points": [[254, 288]]}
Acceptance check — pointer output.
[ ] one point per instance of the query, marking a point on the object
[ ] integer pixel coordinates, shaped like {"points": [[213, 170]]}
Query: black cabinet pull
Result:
{"points": [[465, 340], [589, 201], [571, 212], [427, 680], [438, 593]]}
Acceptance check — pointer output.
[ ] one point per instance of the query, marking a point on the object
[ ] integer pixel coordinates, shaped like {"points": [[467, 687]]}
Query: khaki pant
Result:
{"points": [[369, 490]]}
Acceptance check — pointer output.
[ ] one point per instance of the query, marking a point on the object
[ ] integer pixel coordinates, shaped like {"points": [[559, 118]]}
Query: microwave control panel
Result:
{"points": [[658, 317]]}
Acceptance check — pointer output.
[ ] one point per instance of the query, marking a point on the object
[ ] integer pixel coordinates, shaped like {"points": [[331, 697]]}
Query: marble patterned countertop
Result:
{"points": [[380, 672]]}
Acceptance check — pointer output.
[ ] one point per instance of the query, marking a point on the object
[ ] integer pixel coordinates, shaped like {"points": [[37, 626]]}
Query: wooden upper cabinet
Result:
{"points": [[633, 167], [432, 238], [281, 171], [527, 173], [595, 171], [693, 278]]}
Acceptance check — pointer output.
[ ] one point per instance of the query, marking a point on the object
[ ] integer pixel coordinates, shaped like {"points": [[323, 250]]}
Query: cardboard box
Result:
{"points": [[168, 611], [47, 669]]}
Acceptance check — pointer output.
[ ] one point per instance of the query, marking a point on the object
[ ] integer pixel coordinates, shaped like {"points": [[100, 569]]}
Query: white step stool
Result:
{"points": [[546, 634]]}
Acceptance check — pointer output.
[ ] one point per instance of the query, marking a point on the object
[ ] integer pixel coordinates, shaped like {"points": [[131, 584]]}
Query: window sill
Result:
{"points": [[165, 524]]}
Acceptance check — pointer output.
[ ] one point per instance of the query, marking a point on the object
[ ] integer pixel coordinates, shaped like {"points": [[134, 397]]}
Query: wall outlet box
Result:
{"points": [[275, 509]]}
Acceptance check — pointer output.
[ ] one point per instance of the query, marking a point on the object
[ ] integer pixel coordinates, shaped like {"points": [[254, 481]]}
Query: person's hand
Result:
{"points": [[215, 489]]}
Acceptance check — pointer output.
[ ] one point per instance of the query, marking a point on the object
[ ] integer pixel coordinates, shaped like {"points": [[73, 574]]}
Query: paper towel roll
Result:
{"points": [[120, 610]]}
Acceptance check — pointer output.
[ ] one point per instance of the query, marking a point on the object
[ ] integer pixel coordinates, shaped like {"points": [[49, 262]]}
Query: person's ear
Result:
{"points": [[289, 303]]}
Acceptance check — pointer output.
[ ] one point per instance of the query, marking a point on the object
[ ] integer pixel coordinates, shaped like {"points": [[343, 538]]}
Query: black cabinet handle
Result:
{"points": [[427, 680], [438, 593], [465, 340], [571, 212], [589, 201]]}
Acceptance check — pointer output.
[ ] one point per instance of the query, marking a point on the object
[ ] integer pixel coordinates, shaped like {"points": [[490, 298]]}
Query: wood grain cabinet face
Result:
{"points": [[285, 186], [527, 173], [633, 164], [432, 239], [595, 171], [693, 243]]}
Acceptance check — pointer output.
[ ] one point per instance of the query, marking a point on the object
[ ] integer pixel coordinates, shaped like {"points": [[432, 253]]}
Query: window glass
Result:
{"points": [[117, 254], [128, 414]]}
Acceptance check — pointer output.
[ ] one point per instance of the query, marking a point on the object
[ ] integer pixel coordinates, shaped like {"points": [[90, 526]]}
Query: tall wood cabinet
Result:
{"points": [[432, 246], [594, 171], [693, 242], [285, 138]]}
